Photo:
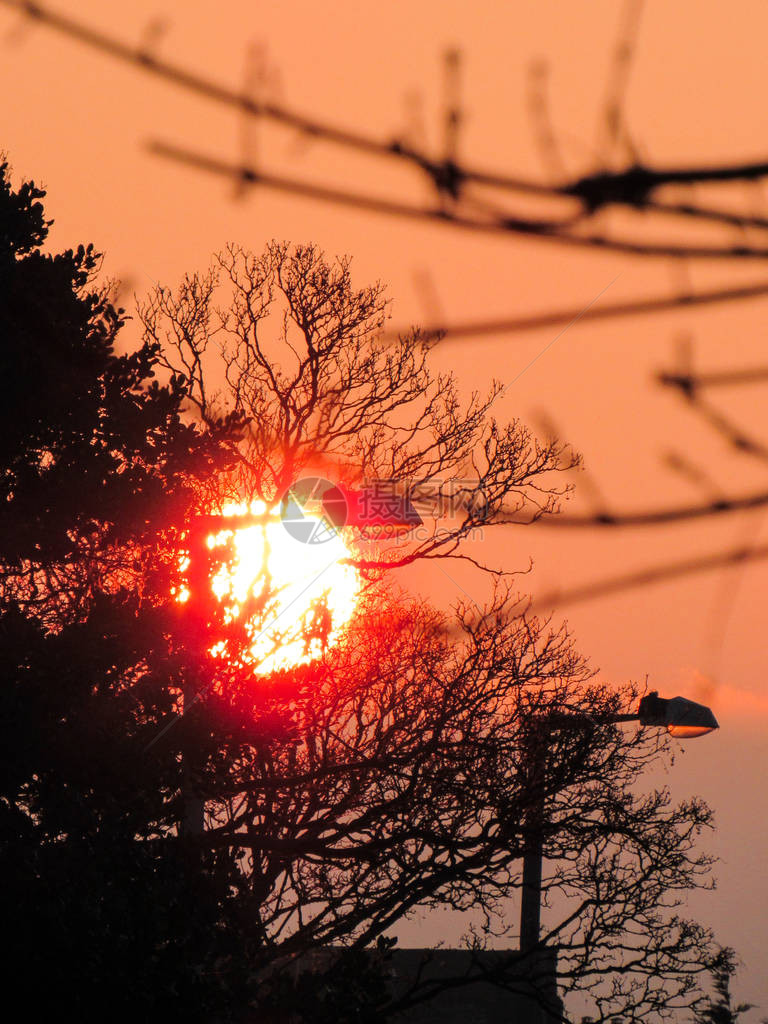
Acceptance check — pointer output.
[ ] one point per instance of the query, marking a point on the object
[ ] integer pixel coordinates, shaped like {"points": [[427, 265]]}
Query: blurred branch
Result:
{"points": [[646, 577], [687, 383], [613, 127], [541, 119], [453, 115], [733, 435], [549, 230], [311, 190], [634, 186], [693, 472], [737, 220], [180, 76], [649, 517], [688, 386], [642, 578], [555, 318], [723, 378]]}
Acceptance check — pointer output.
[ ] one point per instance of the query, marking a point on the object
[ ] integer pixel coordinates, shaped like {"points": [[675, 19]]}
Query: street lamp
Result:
{"points": [[682, 718]]}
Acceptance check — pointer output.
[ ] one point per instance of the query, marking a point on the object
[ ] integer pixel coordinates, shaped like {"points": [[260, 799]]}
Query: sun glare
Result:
{"points": [[295, 598]]}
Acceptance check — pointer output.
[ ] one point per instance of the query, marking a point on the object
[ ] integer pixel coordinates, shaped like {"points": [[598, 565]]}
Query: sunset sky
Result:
{"points": [[80, 123]]}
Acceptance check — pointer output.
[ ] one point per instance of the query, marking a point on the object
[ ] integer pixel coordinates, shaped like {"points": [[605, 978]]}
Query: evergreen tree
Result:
{"points": [[104, 913], [722, 1010]]}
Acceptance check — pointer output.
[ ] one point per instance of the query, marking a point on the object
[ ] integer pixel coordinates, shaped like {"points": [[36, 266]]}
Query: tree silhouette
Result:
{"points": [[722, 1011], [393, 772], [404, 778], [318, 390], [97, 473]]}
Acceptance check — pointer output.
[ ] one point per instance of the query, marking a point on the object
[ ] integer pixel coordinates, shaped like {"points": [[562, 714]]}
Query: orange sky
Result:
{"points": [[78, 123]]}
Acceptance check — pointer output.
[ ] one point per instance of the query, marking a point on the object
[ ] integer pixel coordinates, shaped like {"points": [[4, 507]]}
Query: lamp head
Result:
{"points": [[683, 718]]}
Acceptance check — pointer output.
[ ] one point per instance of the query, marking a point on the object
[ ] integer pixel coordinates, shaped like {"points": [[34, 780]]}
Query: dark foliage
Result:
{"points": [[722, 1010], [105, 914]]}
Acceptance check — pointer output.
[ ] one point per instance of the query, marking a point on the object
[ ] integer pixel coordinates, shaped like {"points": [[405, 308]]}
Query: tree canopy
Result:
{"points": [[393, 772]]}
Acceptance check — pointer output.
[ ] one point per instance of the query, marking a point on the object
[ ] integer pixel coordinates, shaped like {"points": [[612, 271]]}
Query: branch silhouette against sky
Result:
{"points": [[470, 198], [634, 186]]}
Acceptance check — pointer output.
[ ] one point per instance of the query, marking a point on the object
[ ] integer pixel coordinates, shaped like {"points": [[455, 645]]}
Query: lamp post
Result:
{"points": [[683, 719]]}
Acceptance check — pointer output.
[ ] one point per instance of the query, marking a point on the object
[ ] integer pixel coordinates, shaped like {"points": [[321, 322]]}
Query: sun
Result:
{"points": [[294, 598]]}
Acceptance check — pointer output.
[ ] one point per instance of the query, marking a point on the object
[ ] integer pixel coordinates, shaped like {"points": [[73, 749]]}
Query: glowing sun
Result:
{"points": [[294, 598]]}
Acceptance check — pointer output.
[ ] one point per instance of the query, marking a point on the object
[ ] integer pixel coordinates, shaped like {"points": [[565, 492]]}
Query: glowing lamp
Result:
{"points": [[683, 718]]}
